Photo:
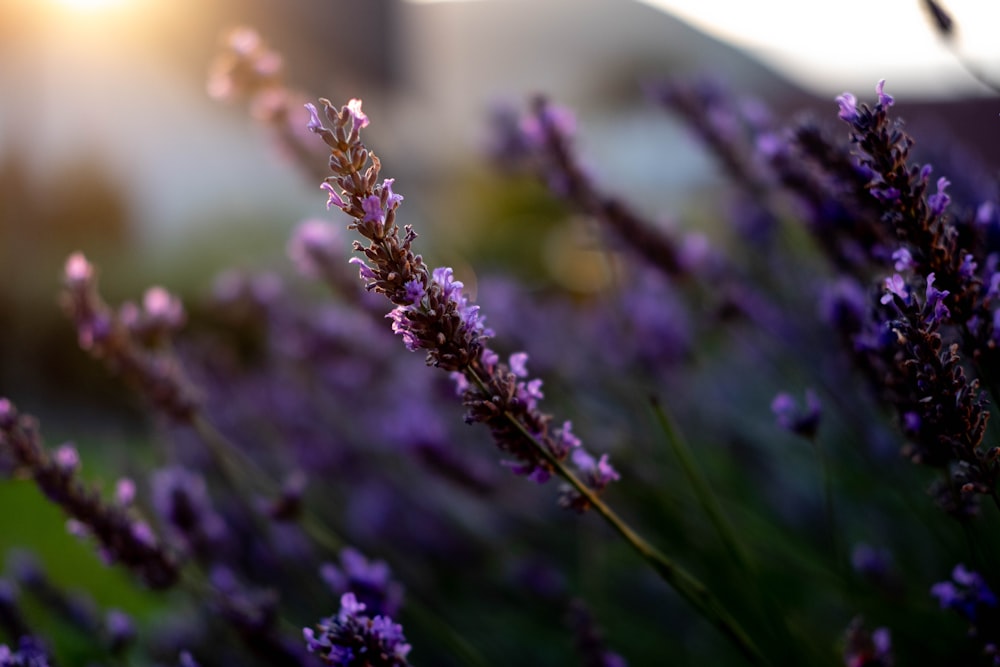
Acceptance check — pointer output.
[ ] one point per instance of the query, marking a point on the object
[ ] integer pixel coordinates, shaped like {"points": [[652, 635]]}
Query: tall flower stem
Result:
{"points": [[764, 600], [831, 512], [686, 584], [706, 498]]}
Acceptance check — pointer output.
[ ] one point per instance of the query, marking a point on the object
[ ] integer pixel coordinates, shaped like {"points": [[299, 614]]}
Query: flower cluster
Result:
{"points": [[122, 537], [249, 69], [132, 341], [28, 654], [353, 639], [933, 305], [867, 649], [544, 141], [967, 593]]}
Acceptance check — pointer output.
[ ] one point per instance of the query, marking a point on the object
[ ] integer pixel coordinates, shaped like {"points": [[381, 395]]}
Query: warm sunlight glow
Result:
{"points": [[90, 5]]}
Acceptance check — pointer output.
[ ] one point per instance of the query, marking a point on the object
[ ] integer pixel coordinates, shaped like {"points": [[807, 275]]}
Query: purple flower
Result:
{"points": [[518, 364], [366, 273], [401, 325], [935, 302], [472, 322], [489, 358], [566, 441], [904, 260], [804, 422], [968, 267], [125, 491], [162, 309], [886, 195], [333, 197], [867, 649], [966, 593], [29, 653], [884, 98], [78, 270], [444, 277], [67, 458], [392, 200], [599, 473], [530, 392], [143, 533], [939, 201], [358, 116], [372, 206], [895, 285], [986, 213], [415, 290], [120, 629], [315, 123], [848, 107], [871, 562]]}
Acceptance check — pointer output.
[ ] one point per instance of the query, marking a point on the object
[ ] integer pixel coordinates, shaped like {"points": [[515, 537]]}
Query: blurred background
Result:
{"points": [[110, 144]]}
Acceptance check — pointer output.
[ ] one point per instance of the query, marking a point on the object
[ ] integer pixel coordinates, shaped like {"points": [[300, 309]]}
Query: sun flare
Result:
{"points": [[90, 5]]}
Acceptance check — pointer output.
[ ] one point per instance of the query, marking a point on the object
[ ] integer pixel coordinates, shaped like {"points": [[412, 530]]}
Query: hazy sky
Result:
{"points": [[829, 45]]}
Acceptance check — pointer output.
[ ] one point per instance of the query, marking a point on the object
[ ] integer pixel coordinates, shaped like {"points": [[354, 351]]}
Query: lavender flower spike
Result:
{"points": [[967, 593], [129, 340], [432, 313], [122, 538], [352, 639], [28, 654]]}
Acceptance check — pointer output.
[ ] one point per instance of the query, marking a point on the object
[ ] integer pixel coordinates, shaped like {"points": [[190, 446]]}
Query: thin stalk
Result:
{"points": [[706, 498], [830, 507], [689, 587], [683, 582], [764, 601]]}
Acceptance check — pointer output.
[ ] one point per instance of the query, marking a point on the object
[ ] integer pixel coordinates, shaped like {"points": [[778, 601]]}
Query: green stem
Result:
{"points": [[706, 498], [678, 578], [831, 514], [764, 601], [689, 587]]}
